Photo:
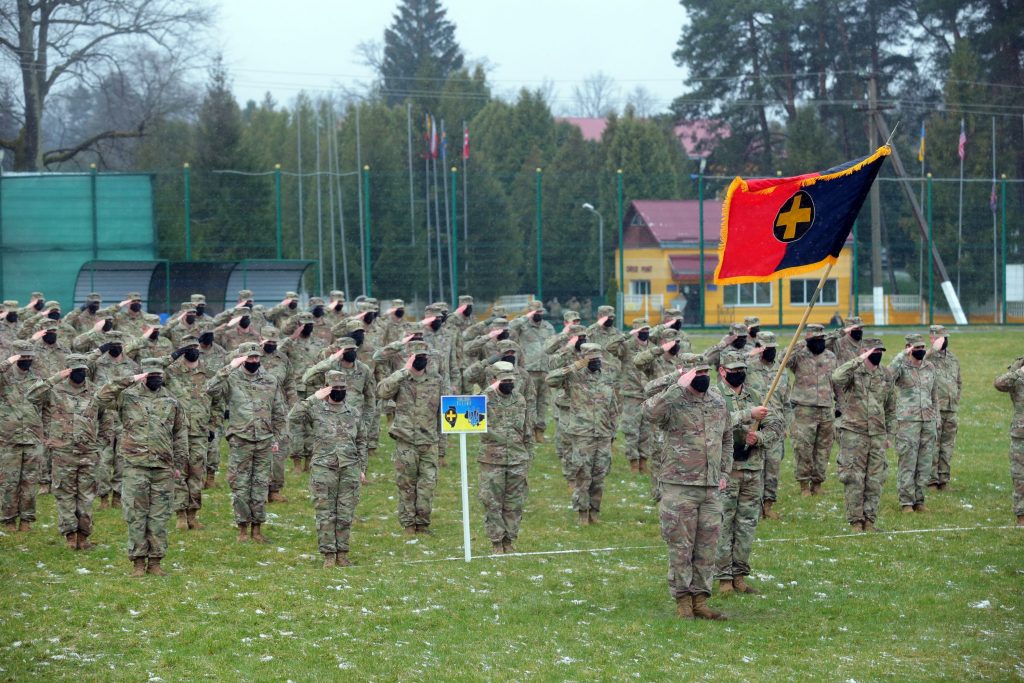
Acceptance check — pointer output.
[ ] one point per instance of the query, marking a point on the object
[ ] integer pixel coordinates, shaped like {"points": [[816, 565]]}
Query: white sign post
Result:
{"points": [[464, 415]]}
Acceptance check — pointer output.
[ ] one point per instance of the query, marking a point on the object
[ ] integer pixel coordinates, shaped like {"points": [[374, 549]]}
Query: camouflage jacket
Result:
{"points": [[532, 338], [441, 348], [333, 432], [698, 437], [482, 373], [631, 378], [189, 386], [609, 338], [302, 355], [361, 393], [154, 428], [254, 401], [655, 362], [20, 422], [49, 358], [685, 345], [509, 436], [1012, 382], [140, 348], [947, 377], [278, 366], [70, 414], [82, 320], [417, 403], [812, 377], [869, 398], [843, 346], [593, 405], [917, 393], [760, 376], [769, 432], [215, 356]]}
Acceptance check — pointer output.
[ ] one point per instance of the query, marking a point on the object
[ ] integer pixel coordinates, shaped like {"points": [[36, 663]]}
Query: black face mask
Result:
{"points": [[349, 356], [506, 387], [468, 310], [875, 358], [189, 319], [674, 350], [419, 362], [12, 317], [400, 313], [50, 338], [307, 329], [856, 335], [115, 351], [417, 337], [245, 322], [24, 363], [191, 355], [293, 305], [337, 395], [249, 303], [77, 375], [736, 379], [537, 317], [753, 331], [369, 317], [701, 383], [338, 306], [503, 336], [643, 335], [768, 355], [251, 366], [357, 336], [93, 307], [154, 335], [739, 342], [269, 347], [154, 382], [580, 341], [677, 324], [945, 343], [511, 358], [816, 345], [594, 364], [206, 338], [318, 311], [135, 307], [108, 325], [609, 322], [435, 324], [39, 305], [53, 315], [918, 354], [200, 309]]}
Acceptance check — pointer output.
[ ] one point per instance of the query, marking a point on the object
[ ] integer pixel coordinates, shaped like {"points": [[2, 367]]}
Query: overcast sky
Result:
{"points": [[285, 47]]}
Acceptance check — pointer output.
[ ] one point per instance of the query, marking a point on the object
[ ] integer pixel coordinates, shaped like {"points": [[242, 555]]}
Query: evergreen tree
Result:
{"points": [[420, 52]]}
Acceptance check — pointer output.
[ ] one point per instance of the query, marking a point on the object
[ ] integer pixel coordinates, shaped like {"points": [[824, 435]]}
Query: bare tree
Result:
{"points": [[643, 102], [596, 96], [61, 43]]}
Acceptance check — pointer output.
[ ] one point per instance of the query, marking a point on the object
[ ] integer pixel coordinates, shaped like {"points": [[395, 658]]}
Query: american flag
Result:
{"points": [[963, 141]]}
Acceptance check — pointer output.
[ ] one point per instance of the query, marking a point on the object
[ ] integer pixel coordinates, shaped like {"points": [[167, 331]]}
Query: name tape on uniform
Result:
{"points": [[463, 414]]}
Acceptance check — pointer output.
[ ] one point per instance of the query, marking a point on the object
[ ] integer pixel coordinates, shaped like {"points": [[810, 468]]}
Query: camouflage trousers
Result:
{"points": [[741, 508], [371, 426], [541, 398], [335, 496], [147, 496], [862, 468], [416, 479], [46, 467], [691, 519], [812, 435], [249, 464], [188, 489], [915, 446], [589, 462], [629, 423], [562, 445], [19, 481], [772, 466], [74, 488], [110, 470], [213, 452], [650, 446], [277, 467], [1017, 474], [945, 444], [502, 491]]}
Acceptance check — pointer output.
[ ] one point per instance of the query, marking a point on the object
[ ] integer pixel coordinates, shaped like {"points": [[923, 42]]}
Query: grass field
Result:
{"points": [[940, 597]]}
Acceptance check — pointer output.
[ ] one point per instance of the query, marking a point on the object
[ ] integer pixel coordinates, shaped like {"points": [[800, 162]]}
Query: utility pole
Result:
{"points": [[877, 291]]}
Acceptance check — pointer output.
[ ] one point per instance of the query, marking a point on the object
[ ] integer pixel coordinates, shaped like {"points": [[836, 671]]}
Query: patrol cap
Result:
{"points": [[416, 347], [189, 339], [49, 305], [739, 329], [397, 303], [640, 323], [814, 330], [767, 339], [75, 361], [241, 310], [508, 345], [152, 366], [10, 303], [668, 334], [732, 360], [854, 321], [695, 361], [504, 371], [366, 305], [937, 330], [249, 349], [575, 330], [336, 295], [570, 315], [23, 348], [591, 351], [346, 327], [431, 308], [304, 318], [245, 294], [346, 343], [499, 323], [198, 298], [188, 306], [134, 296], [752, 321], [93, 296], [872, 343], [372, 301], [914, 339], [336, 379], [48, 325], [465, 299], [115, 336], [440, 306], [605, 311], [37, 295], [315, 301], [270, 333], [536, 306], [673, 313]]}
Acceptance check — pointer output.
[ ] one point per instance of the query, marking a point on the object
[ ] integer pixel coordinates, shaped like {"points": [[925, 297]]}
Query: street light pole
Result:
{"points": [[600, 246]]}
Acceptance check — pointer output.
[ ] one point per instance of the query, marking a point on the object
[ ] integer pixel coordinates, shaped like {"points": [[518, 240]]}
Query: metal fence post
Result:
{"points": [[855, 284], [621, 308], [700, 222], [95, 216], [367, 254], [455, 240], [188, 211], [1002, 239], [931, 258], [277, 207], [540, 291]]}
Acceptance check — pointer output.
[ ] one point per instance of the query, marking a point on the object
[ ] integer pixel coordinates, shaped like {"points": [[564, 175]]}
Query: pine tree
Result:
{"points": [[420, 52]]}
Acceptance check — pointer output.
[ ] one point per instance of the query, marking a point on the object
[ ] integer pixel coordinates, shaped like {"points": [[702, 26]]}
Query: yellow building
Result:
{"points": [[661, 240]]}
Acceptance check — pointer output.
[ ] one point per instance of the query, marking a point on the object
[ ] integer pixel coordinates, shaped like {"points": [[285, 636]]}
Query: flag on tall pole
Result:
{"points": [[920, 147], [961, 150], [433, 138], [465, 141], [962, 144]]}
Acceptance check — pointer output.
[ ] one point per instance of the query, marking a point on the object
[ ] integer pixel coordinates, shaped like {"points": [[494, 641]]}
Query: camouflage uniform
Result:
{"points": [[50, 355], [672, 320], [753, 324], [256, 422], [276, 363], [105, 367], [632, 380], [214, 358], [504, 459], [9, 326], [741, 500], [845, 346], [812, 397], [146, 346], [70, 417], [532, 335], [593, 407], [246, 330], [742, 336], [483, 373], [21, 448], [131, 321], [245, 300], [917, 413], [560, 357], [947, 377], [47, 319], [1012, 382], [154, 443], [333, 433], [179, 326], [282, 315], [82, 319], [760, 375], [697, 456], [869, 422], [459, 322], [487, 344]]}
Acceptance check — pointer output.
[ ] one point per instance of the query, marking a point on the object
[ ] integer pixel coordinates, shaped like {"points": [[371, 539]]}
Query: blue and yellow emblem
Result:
{"points": [[463, 414]]}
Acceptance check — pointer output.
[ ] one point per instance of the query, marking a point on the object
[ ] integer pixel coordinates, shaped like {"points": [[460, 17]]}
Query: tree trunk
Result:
{"points": [[28, 153]]}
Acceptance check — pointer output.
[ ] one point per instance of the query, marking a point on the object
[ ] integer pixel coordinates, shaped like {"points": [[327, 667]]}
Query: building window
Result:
{"points": [[640, 287], [751, 294], [801, 291]]}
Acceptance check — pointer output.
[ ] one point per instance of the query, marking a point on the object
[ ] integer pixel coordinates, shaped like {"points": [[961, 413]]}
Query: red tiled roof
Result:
{"points": [[678, 220], [592, 128], [689, 264], [698, 138]]}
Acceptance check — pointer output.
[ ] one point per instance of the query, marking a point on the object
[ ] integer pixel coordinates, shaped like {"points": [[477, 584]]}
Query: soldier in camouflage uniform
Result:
{"points": [[416, 391], [187, 321], [736, 340], [21, 447], [283, 314], [240, 328], [632, 380], [36, 302], [672, 319], [917, 412], [763, 366], [1012, 382], [741, 500], [869, 424], [47, 319], [331, 428], [947, 377], [487, 344], [483, 374], [214, 358], [9, 326], [532, 332], [107, 363], [504, 457], [394, 325], [276, 363], [150, 344], [335, 307], [753, 324], [83, 318], [154, 444], [846, 343], [813, 399], [70, 417], [697, 460], [256, 424], [245, 300], [573, 337], [129, 316], [200, 303], [593, 410], [459, 322]]}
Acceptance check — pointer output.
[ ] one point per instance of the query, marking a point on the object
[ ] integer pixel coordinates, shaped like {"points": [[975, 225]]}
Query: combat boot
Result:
{"points": [[684, 607], [508, 547], [258, 536], [1020, 520], [83, 542], [115, 500], [634, 466], [208, 484], [277, 497], [409, 530], [424, 529], [497, 548], [907, 509], [920, 507], [869, 526], [643, 466], [815, 488], [104, 501], [24, 526], [330, 560], [538, 435], [584, 518], [594, 517], [154, 567], [305, 464], [767, 512], [857, 527], [43, 489], [934, 487], [243, 533], [72, 540], [193, 523], [297, 467], [182, 523], [741, 586], [441, 461], [805, 489], [11, 526], [702, 611], [343, 560], [139, 570], [725, 587]]}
